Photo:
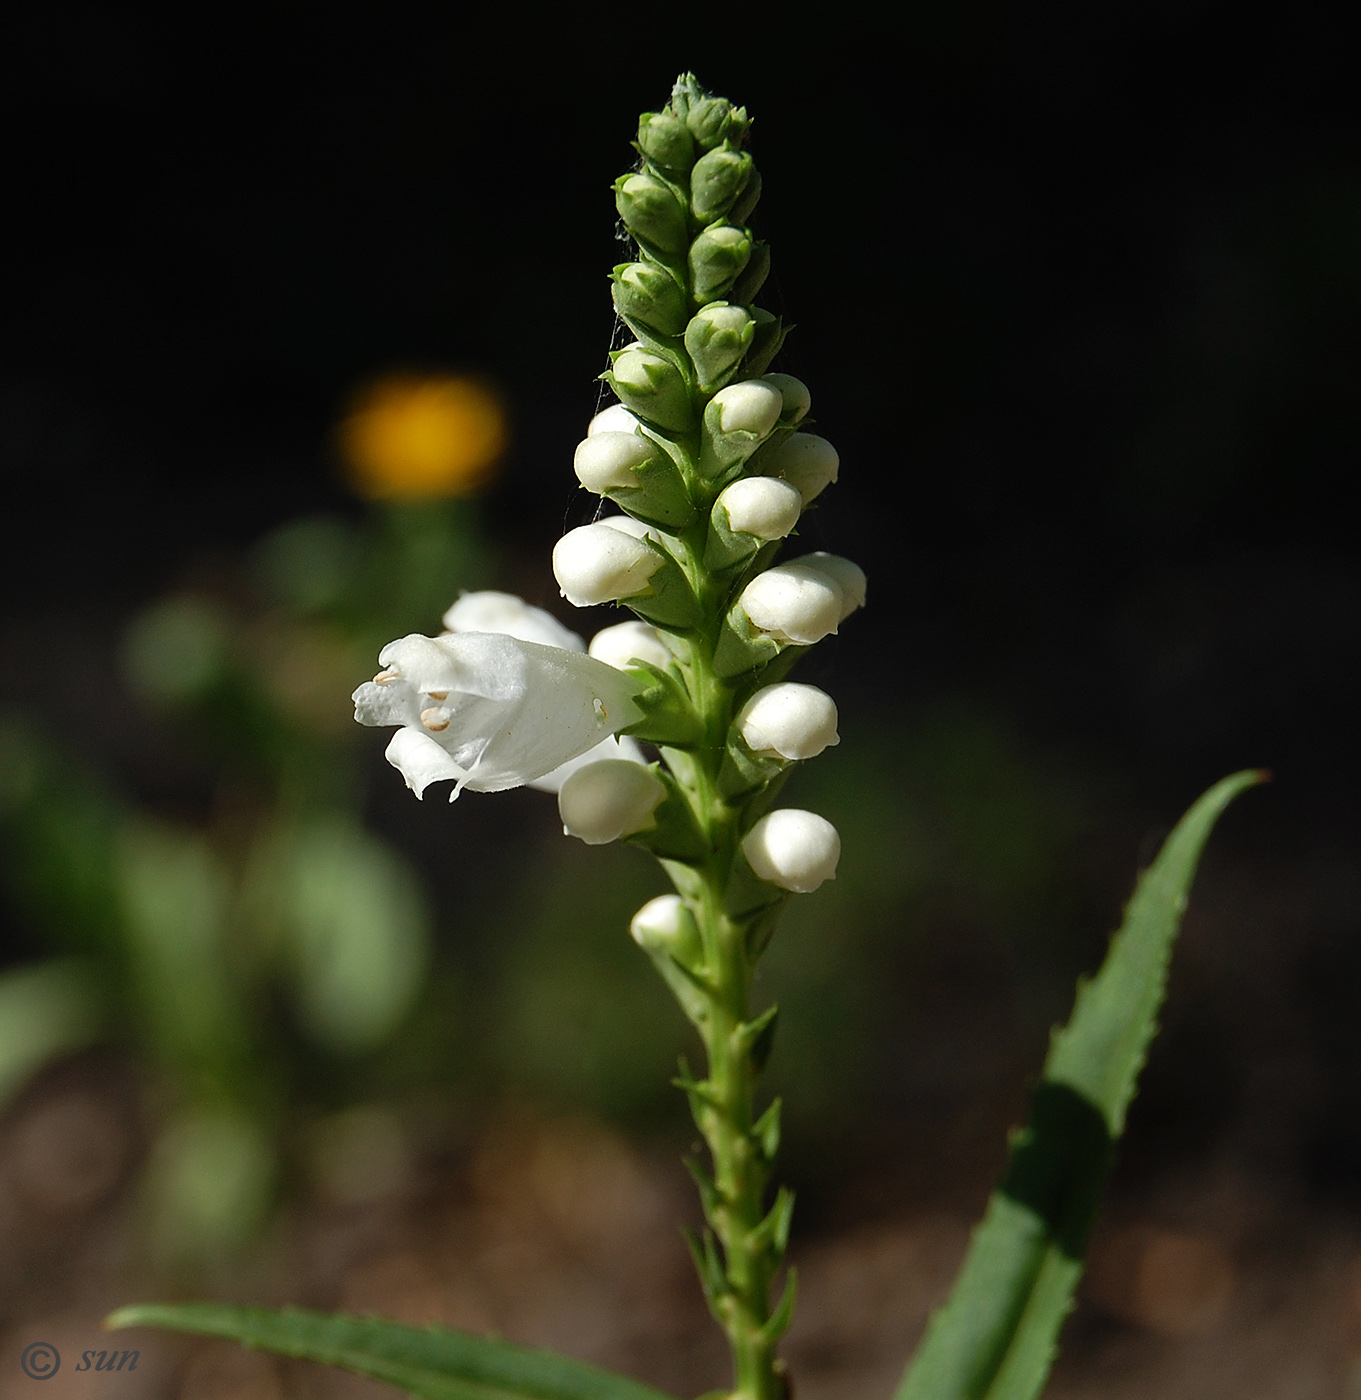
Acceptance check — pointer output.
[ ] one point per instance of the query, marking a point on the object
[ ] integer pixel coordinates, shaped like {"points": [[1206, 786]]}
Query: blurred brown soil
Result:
{"points": [[562, 1233]]}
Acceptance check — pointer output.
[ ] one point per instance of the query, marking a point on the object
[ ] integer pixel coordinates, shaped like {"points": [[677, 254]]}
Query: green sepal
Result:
{"points": [[668, 715], [757, 1037], [660, 498], [716, 339], [768, 335], [717, 259], [765, 1132], [747, 895], [665, 139], [753, 277], [674, 834], [655, 389], [717, 180], [721, 454], [763, 923], [713, 1279], [669, 601], [742, 647], [709, 1199], [773, 1232], [715, 119], [778, 1323], [651, 212], [743, 772], [648, 299], [724, 547], [745, 203]]}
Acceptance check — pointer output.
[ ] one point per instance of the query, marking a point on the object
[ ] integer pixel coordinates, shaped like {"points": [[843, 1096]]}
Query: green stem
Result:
{"points": [[740, 1170]]}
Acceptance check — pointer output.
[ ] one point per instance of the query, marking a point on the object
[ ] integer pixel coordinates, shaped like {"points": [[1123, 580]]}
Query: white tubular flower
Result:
{"points": [[807, 462], [627, 642], [849, 576], [612, 748], [750, 407], [603, 802], [490, 611], [761, 506], [606, 460], [793, 849], [602, 564], [792, 720], [794, 603], [490, 711], [614, 419], [794, 392]]}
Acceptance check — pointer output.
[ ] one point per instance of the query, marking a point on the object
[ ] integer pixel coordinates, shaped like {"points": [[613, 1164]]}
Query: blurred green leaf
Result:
{"points": [[47, 1011], [175, 900], [996, 1337], [431, 1363], [177, 648], [361, 934], [208, 1182]]}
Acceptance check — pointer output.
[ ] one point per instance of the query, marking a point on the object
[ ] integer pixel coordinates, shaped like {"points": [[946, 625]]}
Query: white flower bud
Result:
{"points": [[793, 603], [627, 525], [490, 611], [600, 564], [662, 923], [794, 392], [750, 407], [609, 460], [614, 419], [793, 849], [626, 642], [792, 720], [761, 506], [605, 801], [850, 577], [808, 462]]}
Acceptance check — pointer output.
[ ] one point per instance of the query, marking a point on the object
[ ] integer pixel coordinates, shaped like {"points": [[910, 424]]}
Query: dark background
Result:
{"points": [[1078, 298]]}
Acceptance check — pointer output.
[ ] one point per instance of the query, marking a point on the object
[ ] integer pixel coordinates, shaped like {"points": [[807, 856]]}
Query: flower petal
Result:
{"points": [[421, 761]]}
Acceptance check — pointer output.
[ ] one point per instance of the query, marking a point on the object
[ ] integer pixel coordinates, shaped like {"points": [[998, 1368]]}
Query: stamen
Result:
{"points": [[438, 694], [435, 719], [598, 706], [387, 677]]}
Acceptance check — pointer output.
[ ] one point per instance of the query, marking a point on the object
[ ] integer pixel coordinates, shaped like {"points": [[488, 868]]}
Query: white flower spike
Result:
{"points": [[490, 711], [793, 849]]}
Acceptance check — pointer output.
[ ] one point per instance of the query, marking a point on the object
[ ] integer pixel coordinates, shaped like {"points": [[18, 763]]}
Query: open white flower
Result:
{"points": [[490, 711]]}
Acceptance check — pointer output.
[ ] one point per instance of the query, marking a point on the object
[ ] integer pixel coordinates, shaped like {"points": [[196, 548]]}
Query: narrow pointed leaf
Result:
{"points": [[429, 1363], [996, 1337]]}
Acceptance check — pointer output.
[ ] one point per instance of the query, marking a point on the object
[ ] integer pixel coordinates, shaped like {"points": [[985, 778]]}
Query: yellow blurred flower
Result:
{"points": [[414, 437]]}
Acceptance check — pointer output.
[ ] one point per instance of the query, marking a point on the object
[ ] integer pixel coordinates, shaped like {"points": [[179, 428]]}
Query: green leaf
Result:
{"points": [[46, 1011], [431, 1363], [996, 1336]]}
